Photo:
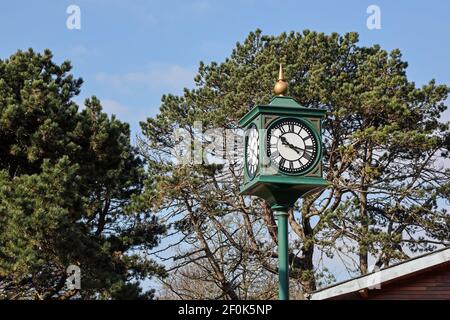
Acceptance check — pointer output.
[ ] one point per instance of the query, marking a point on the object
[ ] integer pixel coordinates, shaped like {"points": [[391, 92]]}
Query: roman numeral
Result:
{"points": [[291, 127], [275, 154], [307, 155], [282, 162]]}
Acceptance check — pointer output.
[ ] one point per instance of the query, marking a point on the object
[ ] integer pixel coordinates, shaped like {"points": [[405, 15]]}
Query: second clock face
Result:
{"points": [[291, 145], [252, 150]]}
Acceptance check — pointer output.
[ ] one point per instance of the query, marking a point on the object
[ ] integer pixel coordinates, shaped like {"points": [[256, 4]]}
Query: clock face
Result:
{"points": [[291, 146], [252, 150]]}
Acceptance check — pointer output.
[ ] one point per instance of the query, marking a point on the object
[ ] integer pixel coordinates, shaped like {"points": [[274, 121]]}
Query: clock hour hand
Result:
{"points": [[286, 143]]}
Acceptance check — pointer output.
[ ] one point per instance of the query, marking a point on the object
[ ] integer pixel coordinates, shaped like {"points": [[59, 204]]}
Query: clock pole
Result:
{"points": [[281, 213]]}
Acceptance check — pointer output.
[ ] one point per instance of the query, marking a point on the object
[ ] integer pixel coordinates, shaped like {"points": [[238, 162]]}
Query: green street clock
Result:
{"points": [[283, 149]]}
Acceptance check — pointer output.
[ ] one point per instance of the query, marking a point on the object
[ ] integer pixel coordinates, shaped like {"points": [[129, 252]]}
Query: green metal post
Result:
{"points": [[283, 259]]}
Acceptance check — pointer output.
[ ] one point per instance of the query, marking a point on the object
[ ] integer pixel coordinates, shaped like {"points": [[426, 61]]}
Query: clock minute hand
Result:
{"points": [[297, 149], [286, 143]]}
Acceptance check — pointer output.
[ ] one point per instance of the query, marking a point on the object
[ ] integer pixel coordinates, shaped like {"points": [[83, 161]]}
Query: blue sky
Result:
{"points": [[130, 52]]}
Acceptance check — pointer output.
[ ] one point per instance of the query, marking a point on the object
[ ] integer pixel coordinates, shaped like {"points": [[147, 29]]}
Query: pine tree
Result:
{"points": [[67, 180], [383, 141]]}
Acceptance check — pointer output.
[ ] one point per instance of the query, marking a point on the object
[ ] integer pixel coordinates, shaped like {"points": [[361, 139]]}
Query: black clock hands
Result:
{"points": [[286, 143]]}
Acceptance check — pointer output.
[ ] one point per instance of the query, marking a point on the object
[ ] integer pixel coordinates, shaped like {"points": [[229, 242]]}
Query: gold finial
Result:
{"points": [[281, 86]]}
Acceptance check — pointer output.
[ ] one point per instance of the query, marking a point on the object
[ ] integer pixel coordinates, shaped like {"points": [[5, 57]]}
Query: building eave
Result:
{"points": [[388, 274]]}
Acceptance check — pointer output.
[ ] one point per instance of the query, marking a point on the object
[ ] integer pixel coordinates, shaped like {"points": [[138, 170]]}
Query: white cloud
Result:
{"points": [[109, 106], [113, 107], [159, 77]]}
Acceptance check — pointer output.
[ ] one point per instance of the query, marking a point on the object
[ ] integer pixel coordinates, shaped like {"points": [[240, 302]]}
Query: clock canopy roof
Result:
{"points": [[281, 105]]}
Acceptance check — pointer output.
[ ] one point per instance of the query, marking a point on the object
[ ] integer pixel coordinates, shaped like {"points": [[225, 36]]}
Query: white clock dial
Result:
{"points": [[252, 150], [291, 145]]}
